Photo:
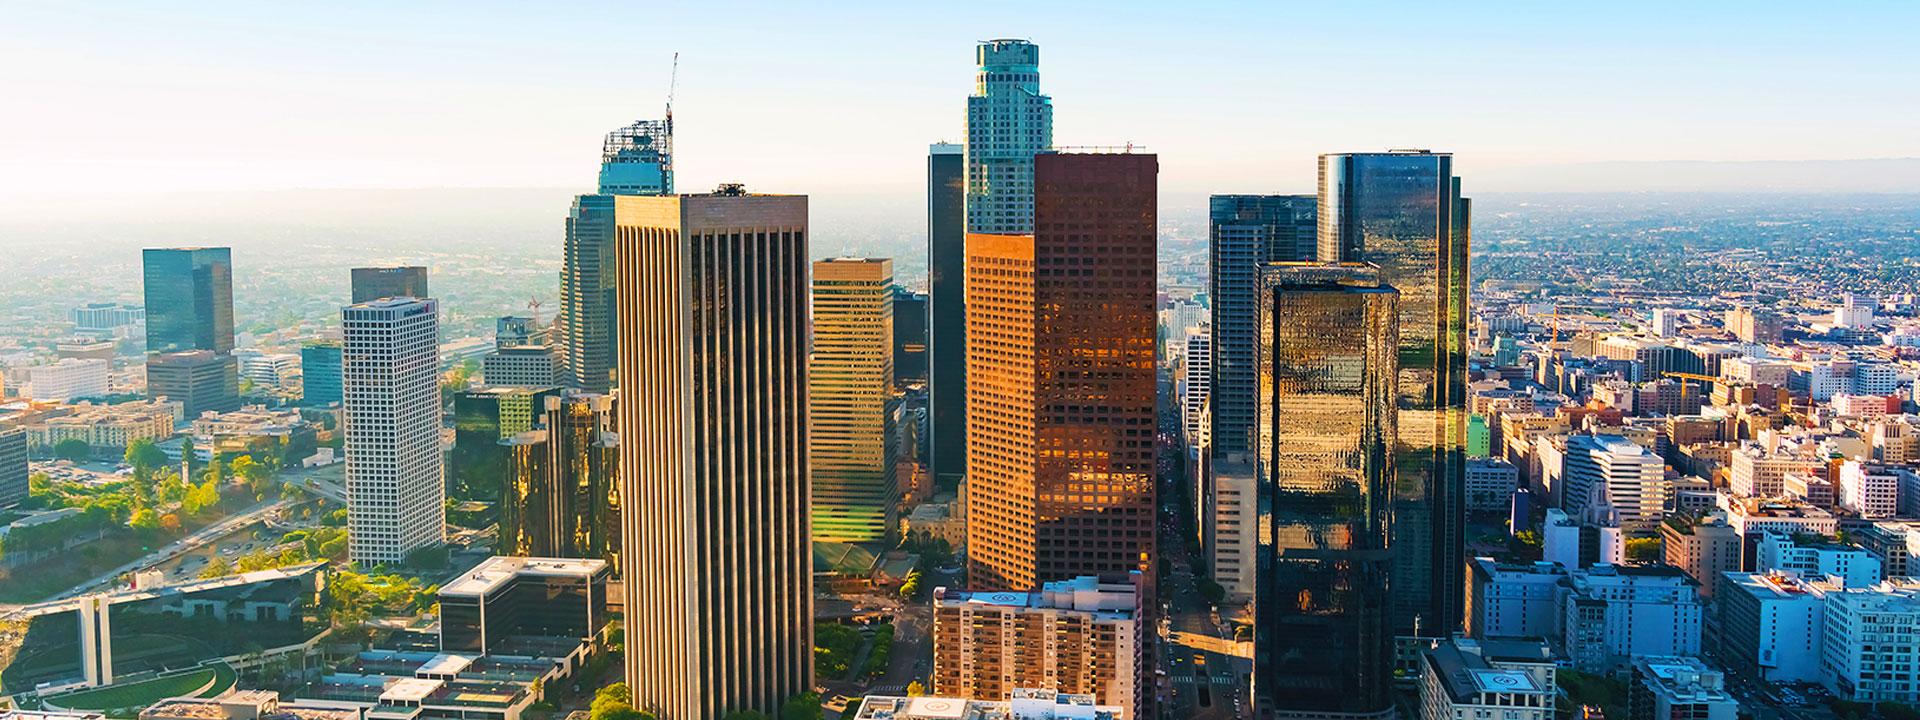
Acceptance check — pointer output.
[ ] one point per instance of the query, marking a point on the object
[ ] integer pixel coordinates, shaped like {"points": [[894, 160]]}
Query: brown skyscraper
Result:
{"points": [[1060, 383], [712, 367]]}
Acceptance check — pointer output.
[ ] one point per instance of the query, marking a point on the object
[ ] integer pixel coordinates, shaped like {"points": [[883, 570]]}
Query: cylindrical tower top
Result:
{"points": [[1007, 55]]}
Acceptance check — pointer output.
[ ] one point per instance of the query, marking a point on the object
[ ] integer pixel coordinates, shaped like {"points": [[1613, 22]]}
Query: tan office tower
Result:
{"points": [[1060, 379], [713, 459], [849, 400]]}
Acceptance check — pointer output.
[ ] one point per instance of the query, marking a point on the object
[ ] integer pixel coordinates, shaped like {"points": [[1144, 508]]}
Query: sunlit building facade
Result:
{"points": [[1060, 371], [713, 403], [189, 299], [560, 497], [396, 490], [1323, 632], [1246, 232], [850, 401], [1403, 212]]}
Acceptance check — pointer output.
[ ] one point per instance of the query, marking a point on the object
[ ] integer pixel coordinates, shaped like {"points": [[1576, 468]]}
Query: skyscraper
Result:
{"points": [[909, 337], [1061, 389], [947, 313], [850, 401], [1008, 122], [393, 281], [13, 466], [713, 374], [200, 380], [1323, 632], [479, 466], [634, 160], [320, 373], [189, 295], [390, 370], [1402, 211], [560, 498], [1247, 231]]}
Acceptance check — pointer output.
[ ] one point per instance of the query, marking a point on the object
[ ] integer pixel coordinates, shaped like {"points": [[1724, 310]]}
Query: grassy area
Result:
{"points": [[137, 694], [1585, 689], [38, 581], [223, 679]]}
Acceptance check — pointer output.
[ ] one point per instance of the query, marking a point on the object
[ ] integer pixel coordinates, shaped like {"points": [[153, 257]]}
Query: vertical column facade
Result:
{"points": [[713, 463], [850, 397], [396, 491]]}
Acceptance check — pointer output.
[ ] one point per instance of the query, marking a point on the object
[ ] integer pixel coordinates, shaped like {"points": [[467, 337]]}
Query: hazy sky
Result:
{"points": [[842, 97]]}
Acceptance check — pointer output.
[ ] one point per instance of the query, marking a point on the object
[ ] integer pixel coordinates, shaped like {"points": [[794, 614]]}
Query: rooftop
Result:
{"points": [[1025, 704], [497, 571]]}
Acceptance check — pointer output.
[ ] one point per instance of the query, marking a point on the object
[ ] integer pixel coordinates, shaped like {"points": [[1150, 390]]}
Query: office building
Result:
{"points": [[13, 466], [1246, 233], [712, 373], [1756, 473], [1579, 541], [1323, 635], [856, 495], [1815, 558], [107, 429], [1061, 391], [516, 331], [1771, 626], [1619, 473], [1008, 123], [1490, 484], [1895, 542], [1229, 523], [189, 299], [390, 365], [947, 313], [909, 337], [479, 467], [521, 366], [1086, 635], [1403, 212], [504, 598], [560, 497], [320, 373], [268, 371], [1195, 389], [67, 380], [392, 281], [1024, 704], [1753, 325], [1866, 654], [1668, 687], [1611, 614], [1465, 679], [105, 318], [200, 380], [1703, 550], [635, 160], [1869, 490], [1513, 600], [1666, 321]]}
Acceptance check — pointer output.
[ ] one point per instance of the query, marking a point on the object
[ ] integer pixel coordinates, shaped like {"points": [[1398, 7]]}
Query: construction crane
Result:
{"points": [[533, 308], [1685, 376], [673, 82]]}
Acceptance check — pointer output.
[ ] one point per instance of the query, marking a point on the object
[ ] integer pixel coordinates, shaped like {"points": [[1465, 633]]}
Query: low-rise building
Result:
{"points": [[1816, 558], [1079, 636], [1513, 600], [1021, 704], [529, 366], [1895, 543], [1613, 613], [1465, 679], [1667, 687], [1490, 484], [107, 428], [245, 705], [504, 598], [1869, 490], [67, 380], [1771, 626], [1703, 550]]}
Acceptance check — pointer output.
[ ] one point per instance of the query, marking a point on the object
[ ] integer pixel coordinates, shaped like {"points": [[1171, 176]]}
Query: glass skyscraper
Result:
{"points": [[320, 373], [189, 296], [373, 283], [1008, 122], [1323, 631], [1402, 211], [947, 313], [635, 160], [850, 434], [560, 497], [1247, 231]]}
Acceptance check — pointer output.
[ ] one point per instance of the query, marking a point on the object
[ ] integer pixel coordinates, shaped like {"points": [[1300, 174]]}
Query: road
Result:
{"points": [[1192, 683]]}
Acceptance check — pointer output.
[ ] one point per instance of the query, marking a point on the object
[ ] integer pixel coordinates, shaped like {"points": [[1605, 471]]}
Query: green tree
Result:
{"points": [[1643, 550], [201, 497], [144, 519], [804, 706], [72, 449], [216, 567], [144, 456], [256, 475]]}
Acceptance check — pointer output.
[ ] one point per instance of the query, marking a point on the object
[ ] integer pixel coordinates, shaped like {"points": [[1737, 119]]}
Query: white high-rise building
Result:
{"points": [[1666, 321], [1867, 653], [1870, 491], [1196, 384], [1008, 122], [1851, 314], [1627, 476], [390, 363], [67, 380]]}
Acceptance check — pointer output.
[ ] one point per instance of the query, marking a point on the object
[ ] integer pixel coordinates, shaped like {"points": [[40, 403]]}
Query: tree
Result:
{"points": [[144, 519], [915, 689], [170, 523], [144, 456], [72, 449], [256, 475], [187, 451], [216, 567], [1643, 550], [804, 706]]}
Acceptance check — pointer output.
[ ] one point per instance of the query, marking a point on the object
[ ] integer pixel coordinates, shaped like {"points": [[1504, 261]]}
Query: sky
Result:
{"points": [[841, 98]]}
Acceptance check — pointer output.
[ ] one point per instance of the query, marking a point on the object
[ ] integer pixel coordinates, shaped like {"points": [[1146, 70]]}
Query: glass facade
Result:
{"points": [[1008, 123], [483, 419], [947, 313], [189, 297], [373, 283], [1323, 639], [1402, 211], [585, 332], [560, 498], [1247, 231], [850, 405], [320, 374]]}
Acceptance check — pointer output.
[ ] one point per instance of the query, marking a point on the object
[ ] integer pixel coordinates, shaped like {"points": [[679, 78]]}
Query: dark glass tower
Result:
{"points": [[320, 373], [560, 498], [1323, 634], [635, 160], [947, 312], [373, 283], [483, 418], [189, 299], [1247, 231], [909, 337], [1402, 211]]}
